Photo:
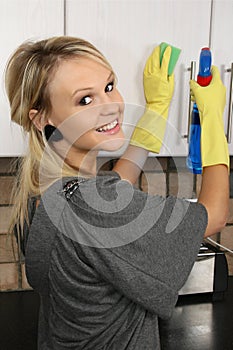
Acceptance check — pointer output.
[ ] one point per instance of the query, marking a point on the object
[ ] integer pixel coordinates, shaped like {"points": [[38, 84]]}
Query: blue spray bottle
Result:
{"points": [[204, 78]]}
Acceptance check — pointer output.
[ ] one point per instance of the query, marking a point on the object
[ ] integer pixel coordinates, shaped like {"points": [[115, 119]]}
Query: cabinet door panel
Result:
{"points": [[127, 31], [222, 49], [21, 20]]}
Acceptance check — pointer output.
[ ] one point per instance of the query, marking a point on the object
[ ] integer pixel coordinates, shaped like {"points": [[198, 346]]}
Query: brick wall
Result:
{"points": [[161, 176], [12, 272]]}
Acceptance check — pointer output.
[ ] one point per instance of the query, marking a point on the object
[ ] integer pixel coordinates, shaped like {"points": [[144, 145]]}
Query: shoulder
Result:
{"points": [[106, 187], [103, 180]]}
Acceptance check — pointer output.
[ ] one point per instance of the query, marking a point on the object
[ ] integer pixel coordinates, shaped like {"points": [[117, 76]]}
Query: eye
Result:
{"points": [[85, 101], [109, 87]]}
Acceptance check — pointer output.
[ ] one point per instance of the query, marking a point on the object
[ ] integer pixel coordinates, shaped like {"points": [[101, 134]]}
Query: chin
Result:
{"points": [[115, 145]]}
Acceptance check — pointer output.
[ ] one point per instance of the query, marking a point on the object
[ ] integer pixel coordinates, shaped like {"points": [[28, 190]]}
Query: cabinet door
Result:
{"points": [[222, 52], [126, 31], [21, 20]]}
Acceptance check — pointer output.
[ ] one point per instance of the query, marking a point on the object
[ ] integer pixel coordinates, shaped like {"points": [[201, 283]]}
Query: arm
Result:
{"points": [[214, 194], [130, 165], [149, 132]]}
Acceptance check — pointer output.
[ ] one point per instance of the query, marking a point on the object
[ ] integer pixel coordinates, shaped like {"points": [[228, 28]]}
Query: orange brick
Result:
{"points": [[25, 284], [198, 184], [8, 276], [227, 241], [8, 249], [5, 214], [181, 184], [230, 217], [230, 263], [154, 183], [7, 165], [6, 183], [155, 164], [227, 237]]}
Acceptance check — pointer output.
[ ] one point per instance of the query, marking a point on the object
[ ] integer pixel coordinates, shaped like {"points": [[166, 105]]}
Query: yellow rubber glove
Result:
{"points": [[158, 90], [211, 102]]}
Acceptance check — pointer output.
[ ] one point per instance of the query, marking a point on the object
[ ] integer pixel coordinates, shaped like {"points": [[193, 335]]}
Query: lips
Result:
{"points": [[109, 128]]}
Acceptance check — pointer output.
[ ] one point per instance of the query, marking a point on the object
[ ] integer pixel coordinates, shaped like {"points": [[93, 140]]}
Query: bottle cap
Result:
{"points": [[204, 81]]}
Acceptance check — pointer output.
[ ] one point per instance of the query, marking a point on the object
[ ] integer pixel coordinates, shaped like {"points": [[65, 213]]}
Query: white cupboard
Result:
{"points": [[21, 20], [126, 31], [222, 52]]}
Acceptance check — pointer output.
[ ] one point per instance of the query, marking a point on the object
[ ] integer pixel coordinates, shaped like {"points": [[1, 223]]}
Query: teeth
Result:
{"points": [[108, 126]]}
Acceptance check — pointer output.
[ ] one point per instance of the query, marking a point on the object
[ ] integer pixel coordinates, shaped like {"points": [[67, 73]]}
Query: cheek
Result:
{"points": [[112, 144], [119, 99], [77, 126], [85, 142]]}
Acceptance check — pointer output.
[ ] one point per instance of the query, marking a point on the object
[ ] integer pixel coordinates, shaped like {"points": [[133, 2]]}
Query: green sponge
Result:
{"points": [[174, 56]]}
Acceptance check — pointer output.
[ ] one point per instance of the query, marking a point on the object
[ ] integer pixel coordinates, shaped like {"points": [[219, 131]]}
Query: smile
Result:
{"points": [[109, 128]]}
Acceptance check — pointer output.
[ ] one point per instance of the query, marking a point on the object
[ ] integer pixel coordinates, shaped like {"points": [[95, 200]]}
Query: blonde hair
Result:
{"points": [[27, 77]]}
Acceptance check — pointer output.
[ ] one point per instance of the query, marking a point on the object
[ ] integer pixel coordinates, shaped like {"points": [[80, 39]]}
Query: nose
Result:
{"points": [[110, 108], [111, 104]]}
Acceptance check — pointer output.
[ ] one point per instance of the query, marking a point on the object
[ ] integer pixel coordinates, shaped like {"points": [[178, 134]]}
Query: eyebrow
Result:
{"points": [[90, 88]]}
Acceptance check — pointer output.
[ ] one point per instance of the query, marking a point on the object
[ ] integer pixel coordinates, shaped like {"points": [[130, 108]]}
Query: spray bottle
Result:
{"points": [[204, 78]]}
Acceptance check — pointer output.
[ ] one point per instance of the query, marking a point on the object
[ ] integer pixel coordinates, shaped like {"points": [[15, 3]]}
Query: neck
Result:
{"points": [[84, 162]]}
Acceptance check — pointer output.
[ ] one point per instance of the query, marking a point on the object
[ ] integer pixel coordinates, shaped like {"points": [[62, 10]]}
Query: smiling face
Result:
{"points": [[85, 89]]}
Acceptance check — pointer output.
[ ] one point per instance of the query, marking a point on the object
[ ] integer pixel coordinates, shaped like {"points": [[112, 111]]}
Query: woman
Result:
{"points": [[106, 258]]}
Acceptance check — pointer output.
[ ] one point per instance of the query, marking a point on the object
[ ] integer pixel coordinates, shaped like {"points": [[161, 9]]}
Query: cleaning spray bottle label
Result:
{"points": [[204, 77]]}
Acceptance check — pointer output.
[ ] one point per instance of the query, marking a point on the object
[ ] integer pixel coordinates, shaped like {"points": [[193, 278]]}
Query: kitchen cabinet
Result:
{"points": [[222, 52], [21, 20], [126, 31]]}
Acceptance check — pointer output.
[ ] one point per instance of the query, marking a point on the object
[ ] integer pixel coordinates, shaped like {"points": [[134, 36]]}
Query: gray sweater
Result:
{"points": [[108, 260]]}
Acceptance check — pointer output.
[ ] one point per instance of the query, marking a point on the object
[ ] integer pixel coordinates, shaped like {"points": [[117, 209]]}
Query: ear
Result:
{"points": [[37, 118]]}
